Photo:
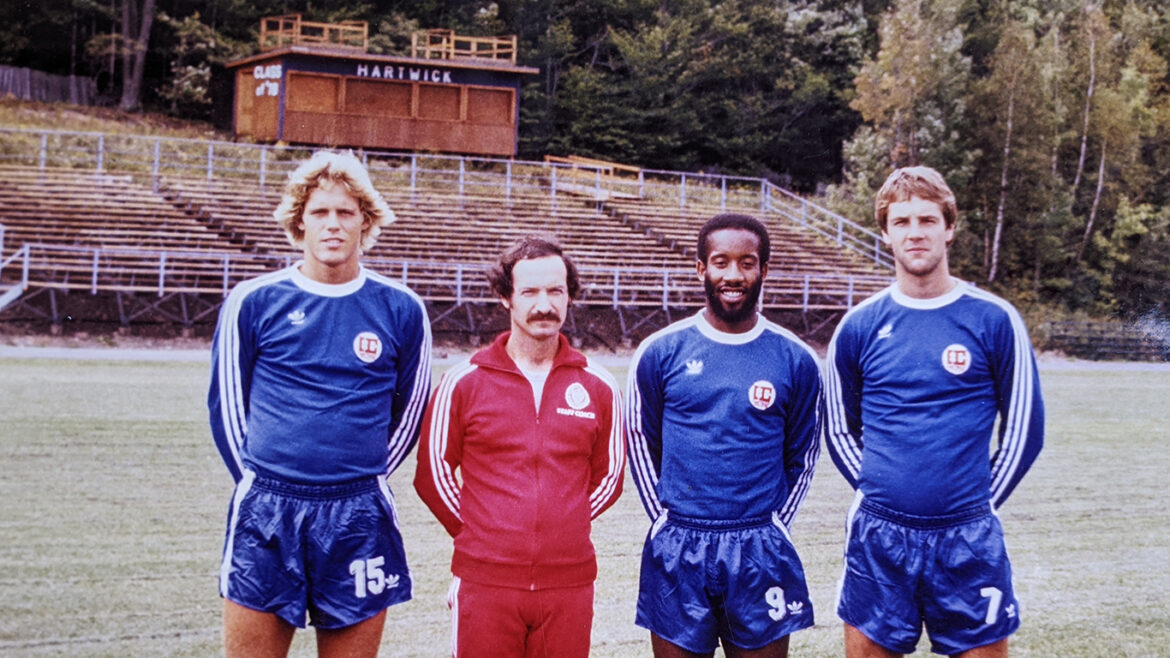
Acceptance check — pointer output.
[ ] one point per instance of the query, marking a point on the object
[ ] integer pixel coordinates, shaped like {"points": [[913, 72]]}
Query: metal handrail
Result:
{"points": [[21, 254], [841, 230], [163, 272]]}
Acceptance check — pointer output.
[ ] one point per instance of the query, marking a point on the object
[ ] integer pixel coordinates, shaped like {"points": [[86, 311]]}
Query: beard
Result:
{"points": [[733, 315]]}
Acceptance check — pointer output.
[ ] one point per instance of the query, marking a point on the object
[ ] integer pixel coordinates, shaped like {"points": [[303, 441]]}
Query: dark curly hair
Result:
{"points": [[732, 220], [532, 246]]}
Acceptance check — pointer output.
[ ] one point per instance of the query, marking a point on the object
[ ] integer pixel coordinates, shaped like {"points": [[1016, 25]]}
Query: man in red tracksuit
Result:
{"points": [[521, 447]]}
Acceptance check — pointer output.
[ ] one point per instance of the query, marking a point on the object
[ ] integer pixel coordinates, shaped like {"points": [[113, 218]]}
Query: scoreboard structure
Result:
{"points": [[314, 83]]}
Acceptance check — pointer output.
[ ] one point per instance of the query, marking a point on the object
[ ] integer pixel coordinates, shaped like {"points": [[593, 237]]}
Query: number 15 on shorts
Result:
{"points": [[369, 578]]}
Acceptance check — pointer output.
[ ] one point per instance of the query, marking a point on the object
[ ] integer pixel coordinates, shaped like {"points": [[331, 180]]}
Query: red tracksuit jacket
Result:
{"points": [[518, 489]]}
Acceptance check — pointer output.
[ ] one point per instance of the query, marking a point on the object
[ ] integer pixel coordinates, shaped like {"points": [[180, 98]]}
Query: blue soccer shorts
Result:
{"points": [[737, 581], [950, 574], [333, 552]]}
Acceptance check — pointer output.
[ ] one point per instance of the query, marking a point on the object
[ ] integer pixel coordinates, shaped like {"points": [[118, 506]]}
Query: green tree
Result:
{"points": [[199, 47], [1013, 75], [136, 23], [393, 36], [914, 90], [913, 95], [736, 87], [1139, 251]]}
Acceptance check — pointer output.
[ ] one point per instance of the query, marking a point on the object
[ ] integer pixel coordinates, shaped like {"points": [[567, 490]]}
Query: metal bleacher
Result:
{"points": [[169, 244]]}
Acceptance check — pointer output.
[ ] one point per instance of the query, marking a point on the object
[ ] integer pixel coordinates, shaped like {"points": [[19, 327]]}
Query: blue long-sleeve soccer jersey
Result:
{"points": [[723, 426], [317, 383], [914, 390]]}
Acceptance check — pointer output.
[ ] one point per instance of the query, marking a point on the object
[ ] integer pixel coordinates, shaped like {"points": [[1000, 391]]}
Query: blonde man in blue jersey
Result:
{"points": [[723, 423], [320, 372], [919, 378]]}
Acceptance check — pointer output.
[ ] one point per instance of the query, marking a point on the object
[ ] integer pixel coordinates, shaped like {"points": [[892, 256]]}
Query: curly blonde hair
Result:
{"points": [[323, 170]]}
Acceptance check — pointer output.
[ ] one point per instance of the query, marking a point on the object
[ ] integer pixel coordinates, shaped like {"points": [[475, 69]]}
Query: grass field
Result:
{"points": [[114, 501]]}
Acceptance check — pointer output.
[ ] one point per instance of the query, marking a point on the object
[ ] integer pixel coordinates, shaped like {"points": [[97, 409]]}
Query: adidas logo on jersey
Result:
{"points": [[694, 367], [297, 317], [886, 331], [795, 608]]}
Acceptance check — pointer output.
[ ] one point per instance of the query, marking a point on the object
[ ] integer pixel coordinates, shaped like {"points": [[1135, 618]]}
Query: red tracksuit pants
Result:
{"points": [[504, 622]]}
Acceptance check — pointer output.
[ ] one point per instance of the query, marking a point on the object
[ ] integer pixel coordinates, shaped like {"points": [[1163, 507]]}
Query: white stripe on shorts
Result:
{"points": [[225, 567]]}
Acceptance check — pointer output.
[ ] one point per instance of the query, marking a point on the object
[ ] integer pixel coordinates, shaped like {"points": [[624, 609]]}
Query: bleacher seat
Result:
{"points": [[209, 228]]}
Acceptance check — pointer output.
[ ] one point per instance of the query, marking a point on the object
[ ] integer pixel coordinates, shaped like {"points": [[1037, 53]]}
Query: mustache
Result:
{"points": [[537, 317]]}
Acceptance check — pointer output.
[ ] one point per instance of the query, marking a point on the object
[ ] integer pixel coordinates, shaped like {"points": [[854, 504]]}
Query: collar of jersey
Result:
{"points": [[942, 300], [327, 289], [714, 334]]}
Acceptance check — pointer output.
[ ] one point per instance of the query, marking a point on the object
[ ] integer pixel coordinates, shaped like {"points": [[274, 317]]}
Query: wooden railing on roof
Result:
{"points": [[291, 30], [445, 44]]}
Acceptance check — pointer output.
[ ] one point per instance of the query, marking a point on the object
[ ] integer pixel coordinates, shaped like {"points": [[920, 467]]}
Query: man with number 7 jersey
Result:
{"points": [[320, 372], [919, 378]]}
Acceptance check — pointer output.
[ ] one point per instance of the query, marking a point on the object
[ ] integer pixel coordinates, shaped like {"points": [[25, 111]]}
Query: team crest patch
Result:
{"points": [[762, 394], [956, 359], [367, 346], [576, 396]]}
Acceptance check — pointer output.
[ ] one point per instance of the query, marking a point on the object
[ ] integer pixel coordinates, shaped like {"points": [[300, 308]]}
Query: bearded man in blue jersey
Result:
{"points": [[723, 423], [320, 372], [920, 378]]}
